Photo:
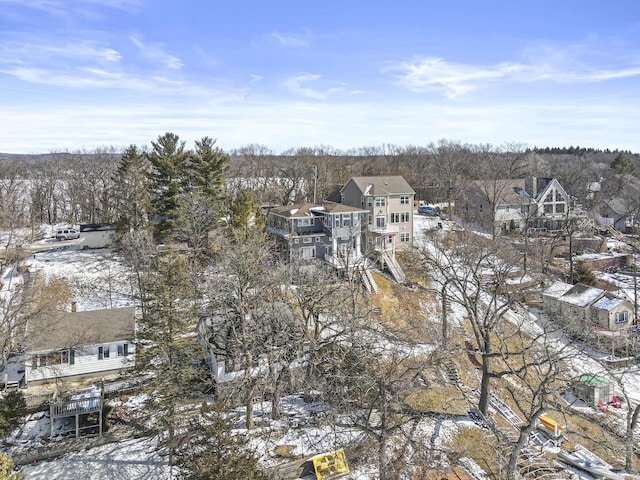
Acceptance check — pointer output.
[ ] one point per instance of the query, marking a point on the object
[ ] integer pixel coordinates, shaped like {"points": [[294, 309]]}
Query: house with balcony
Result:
{"points": [[388, 202], [330, 232], [529, 204]]}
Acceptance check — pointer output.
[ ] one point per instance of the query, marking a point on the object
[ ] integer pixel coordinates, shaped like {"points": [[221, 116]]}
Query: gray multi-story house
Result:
{"points": [[389, 204], [507, 205], [330, 232]]}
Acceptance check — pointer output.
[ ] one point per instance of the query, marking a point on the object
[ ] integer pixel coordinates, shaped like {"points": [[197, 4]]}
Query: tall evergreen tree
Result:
{"points": [[167, 158], [131, 190], [208, 165], [168, 348]]}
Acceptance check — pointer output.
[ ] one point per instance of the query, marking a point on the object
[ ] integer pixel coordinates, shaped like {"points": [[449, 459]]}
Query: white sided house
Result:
{"points": [[71, 345]]}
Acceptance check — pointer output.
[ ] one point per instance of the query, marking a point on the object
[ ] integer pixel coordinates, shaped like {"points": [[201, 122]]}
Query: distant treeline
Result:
{"points": [[78, 187]]}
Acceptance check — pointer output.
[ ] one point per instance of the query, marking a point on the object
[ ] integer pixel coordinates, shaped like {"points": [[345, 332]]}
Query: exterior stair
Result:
{"points": [[368, 280], [394, 267]]}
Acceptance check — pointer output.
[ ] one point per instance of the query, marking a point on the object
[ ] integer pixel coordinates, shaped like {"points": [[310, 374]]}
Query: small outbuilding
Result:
{"points": [[94, 235], [592, 389]]}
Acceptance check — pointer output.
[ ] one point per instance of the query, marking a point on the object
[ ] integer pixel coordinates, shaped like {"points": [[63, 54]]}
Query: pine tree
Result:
{"points": [[132, 190], [169, 351], [167, 159], [623, 165], [12, 408], [208, 165], [209, 449]]}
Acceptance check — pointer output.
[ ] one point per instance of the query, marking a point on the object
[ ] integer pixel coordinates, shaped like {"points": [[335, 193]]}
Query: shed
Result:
{"points": [[94, 235], [593, 388]]}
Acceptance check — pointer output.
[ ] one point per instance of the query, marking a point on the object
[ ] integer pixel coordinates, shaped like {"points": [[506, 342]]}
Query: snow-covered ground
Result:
{"points": [[99, 280]]}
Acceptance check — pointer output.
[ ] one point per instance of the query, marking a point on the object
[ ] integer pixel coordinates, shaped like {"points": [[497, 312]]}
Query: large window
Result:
{"points": [[308, 252], [123, 350], [400, 217], [622, 317], [380, 222], [381, 201]]}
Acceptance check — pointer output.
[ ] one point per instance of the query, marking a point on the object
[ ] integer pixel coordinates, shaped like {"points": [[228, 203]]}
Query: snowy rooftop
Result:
{"points": [[608, 303], [582, 295], [558, 289]]}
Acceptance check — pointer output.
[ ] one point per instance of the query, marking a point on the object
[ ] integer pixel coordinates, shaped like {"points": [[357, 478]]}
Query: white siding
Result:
{"points": [[86, 363]]}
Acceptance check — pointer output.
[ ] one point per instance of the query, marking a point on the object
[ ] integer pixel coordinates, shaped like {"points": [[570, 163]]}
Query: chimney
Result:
{"points": [[74, 307]]}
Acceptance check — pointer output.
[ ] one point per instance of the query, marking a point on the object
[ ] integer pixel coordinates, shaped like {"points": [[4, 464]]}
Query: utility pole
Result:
{"points": [[315, 182]]}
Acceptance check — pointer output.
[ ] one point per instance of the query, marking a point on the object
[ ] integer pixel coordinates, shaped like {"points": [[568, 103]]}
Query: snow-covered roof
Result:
{"points": [[582, 295], [557, 289], [608, 303]]}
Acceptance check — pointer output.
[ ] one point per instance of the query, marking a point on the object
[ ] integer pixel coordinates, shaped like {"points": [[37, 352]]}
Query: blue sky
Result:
{"points": [[83, 74]]}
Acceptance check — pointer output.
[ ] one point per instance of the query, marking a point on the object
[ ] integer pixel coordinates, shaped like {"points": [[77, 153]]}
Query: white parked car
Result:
{"points": [[67, 234]]}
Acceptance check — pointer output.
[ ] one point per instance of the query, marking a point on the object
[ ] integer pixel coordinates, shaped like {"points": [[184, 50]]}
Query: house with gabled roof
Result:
{"points": [[388, 201], [330, 232], [69, 345], [588, 310], [508, 205], [612, 313]]}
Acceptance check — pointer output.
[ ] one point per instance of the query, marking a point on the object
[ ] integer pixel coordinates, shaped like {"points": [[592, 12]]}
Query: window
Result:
{"points": [[337, 220], [369, 202], [346, 219], [404, 237], [404, 199], [305, 222], [404, 217], [123, 350], [559, 207], [395, 217], [381, 201], [622, 317], [380, 222], [308, 252], [307, 240], [548, 208], [317, 239], [296, 241], [72, 357], [103, 352]]}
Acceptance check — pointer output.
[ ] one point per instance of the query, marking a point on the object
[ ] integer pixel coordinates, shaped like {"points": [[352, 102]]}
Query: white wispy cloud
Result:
{"points": [[155, 52], [301, 85], [66, 8], [289, 40], [423, 74]]}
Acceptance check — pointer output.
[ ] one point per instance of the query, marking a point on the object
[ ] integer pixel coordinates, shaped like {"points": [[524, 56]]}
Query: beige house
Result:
{"points": [[612, 313], [389, 203]]}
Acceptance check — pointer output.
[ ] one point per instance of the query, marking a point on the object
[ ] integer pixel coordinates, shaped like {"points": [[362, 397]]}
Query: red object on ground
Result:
{"points": [[616, 402], [603, 406]]}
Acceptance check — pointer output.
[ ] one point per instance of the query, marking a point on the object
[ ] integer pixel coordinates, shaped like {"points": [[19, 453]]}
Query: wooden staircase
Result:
{"points": [[390, 262]]}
